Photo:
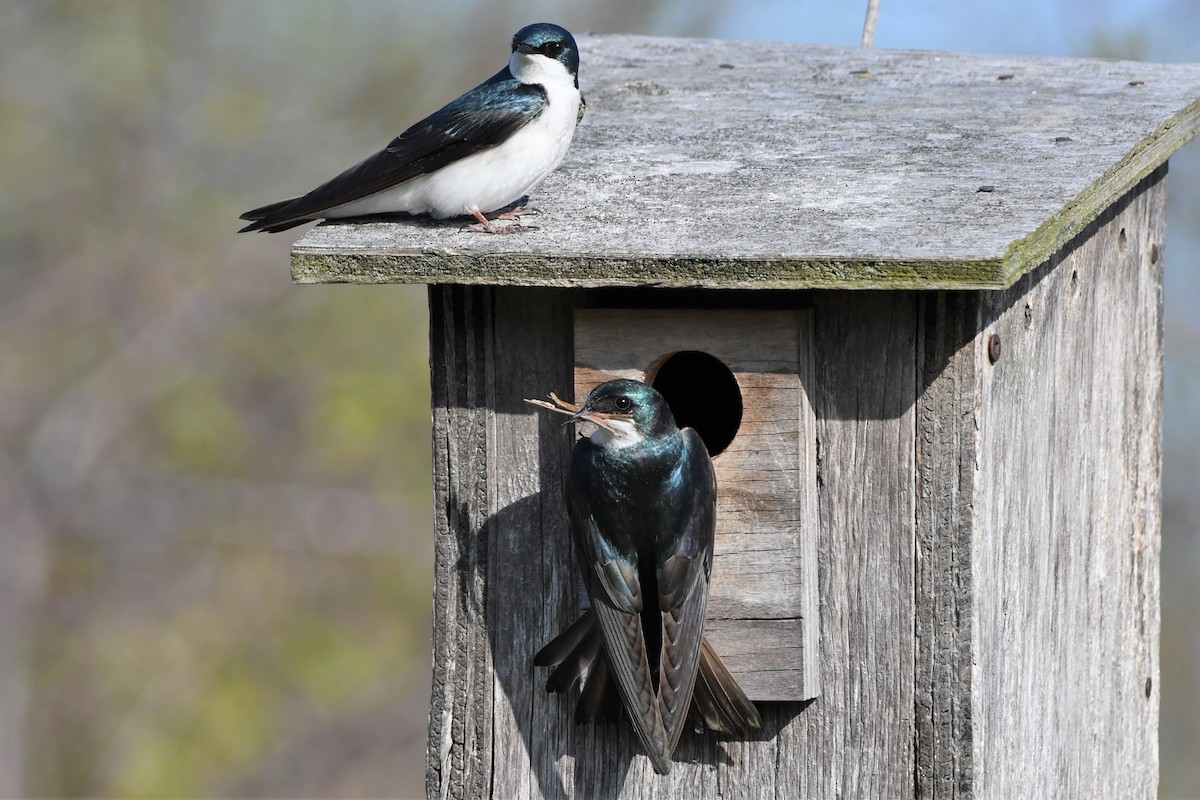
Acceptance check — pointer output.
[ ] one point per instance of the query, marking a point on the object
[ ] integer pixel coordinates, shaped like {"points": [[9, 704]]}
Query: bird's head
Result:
{"points": [[631, 411], [542, 52]]}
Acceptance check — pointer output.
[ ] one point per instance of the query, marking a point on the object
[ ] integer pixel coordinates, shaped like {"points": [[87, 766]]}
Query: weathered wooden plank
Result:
{"points": [[945, 489], [767, 656], [803, 166], [1065, 684], [864, 388], [766, 511], [530, 562], [460, 725]]}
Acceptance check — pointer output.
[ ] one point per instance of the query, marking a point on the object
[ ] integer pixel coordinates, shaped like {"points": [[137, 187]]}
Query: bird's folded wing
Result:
{"points": [[482, 118], [683, 567], [682, 631], [625, 648], [615, 590]]}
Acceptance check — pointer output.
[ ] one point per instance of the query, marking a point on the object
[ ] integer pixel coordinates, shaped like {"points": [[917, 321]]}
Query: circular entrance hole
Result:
{"points": [[703, 394]]}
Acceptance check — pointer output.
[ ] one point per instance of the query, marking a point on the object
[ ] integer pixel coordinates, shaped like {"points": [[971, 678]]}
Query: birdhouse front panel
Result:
{"points": [[741, 378]]}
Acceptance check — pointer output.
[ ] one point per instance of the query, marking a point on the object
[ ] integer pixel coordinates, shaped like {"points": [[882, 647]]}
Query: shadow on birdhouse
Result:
{"points": [[741, 378]]}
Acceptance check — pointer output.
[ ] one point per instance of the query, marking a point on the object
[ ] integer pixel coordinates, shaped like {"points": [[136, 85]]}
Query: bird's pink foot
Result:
{"points": [[487, 227]]}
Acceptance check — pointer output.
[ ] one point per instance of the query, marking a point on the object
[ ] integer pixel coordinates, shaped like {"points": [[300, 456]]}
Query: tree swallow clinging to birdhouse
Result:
{"points": [[641, 498], [482, 152]]}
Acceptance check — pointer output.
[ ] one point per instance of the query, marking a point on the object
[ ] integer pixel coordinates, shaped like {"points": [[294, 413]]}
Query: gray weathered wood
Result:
{"points": [[863, 399], [1065, 683], [987, 534], [946, 484], [506, 579], [762, 604], [987, 544], [531, 567], [1037, 523], [460, 725], [755, 164]]}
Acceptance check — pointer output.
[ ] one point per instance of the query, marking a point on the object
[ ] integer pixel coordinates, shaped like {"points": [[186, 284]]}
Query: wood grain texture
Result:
{"points": [[460, 725], [803, 166], [1065, 698], [766, 539], [865, 388], [506, 581], [531, 566], [1037, 524], [986, 554], [945, 583]]}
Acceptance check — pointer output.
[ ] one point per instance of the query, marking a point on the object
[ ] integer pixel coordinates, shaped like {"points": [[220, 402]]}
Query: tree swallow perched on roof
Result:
{"points": [[641, 498], [482, 152]]}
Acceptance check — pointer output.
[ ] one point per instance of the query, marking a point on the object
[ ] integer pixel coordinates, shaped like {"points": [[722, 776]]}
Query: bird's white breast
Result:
{"points": [[624, 434], [492, 179]]}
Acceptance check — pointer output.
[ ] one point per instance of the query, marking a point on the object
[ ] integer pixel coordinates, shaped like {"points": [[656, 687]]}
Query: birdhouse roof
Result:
{"points": [[726, 164]]}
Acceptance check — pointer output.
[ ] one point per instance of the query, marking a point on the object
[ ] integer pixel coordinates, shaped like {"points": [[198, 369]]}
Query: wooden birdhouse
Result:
{"points": [[912, 301]]}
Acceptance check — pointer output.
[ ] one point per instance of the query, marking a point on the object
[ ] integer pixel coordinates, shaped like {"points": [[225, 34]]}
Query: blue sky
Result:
{"points": [[1022, 27]]}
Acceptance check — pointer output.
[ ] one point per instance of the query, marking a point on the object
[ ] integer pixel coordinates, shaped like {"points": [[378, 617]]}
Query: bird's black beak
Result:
{"points": [[523, 48]]}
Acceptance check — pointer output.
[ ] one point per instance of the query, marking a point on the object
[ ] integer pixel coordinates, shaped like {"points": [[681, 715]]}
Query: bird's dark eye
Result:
{"points": [[622, 403], [552, 49]]}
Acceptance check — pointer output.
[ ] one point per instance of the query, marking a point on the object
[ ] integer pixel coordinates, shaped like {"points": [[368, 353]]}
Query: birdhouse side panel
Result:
{"points": [[1066, 678]]}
